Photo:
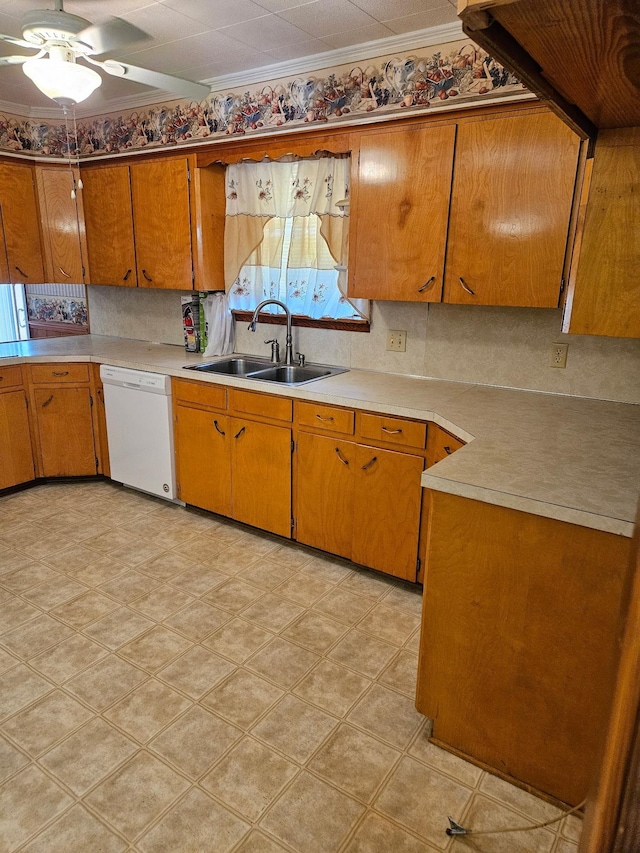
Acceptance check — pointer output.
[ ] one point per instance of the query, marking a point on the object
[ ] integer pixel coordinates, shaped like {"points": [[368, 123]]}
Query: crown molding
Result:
{"points": [[304, 65]]}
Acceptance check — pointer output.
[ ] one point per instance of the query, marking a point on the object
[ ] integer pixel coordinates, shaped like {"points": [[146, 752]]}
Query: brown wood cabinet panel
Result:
{"points": [[16, 458], [387, 511], [65, 431], [108, 218], [519, 640], [20, 223], [10, 376], [399, 213], [604, 294], [203, 461], [510, 208], [200, 393], [161, 212], [325, 481], [440, 444], [263, 405], [395, 430], [329, 418], [56, 373], [261, 475], [62, 227]]}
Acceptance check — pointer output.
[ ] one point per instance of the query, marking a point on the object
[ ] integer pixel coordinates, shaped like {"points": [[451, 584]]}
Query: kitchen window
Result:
{"points": [[13, 313], [286, 238]]}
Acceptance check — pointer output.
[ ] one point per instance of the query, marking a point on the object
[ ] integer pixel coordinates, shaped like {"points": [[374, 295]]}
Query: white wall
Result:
{"points": [[489, 346]]}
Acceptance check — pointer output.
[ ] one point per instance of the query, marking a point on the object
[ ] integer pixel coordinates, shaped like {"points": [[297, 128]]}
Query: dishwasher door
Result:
{"points": [[140, 429]]}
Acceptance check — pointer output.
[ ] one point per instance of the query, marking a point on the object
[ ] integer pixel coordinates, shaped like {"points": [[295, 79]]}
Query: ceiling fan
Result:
{"points": [[66, 38]]}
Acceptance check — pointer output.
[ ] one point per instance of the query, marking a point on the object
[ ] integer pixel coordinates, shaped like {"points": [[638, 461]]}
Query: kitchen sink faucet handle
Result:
{"points": [[275, 350], [301, 359]]}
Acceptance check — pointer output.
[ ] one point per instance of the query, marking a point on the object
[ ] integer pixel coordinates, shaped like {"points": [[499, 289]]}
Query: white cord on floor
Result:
{"points": [[455, 828]]}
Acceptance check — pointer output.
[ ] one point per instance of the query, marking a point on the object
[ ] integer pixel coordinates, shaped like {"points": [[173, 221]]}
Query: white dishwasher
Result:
{"points": [[140, 429]]}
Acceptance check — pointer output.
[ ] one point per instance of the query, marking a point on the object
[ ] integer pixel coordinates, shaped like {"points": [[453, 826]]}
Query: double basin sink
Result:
{"points": [[284, 374]]}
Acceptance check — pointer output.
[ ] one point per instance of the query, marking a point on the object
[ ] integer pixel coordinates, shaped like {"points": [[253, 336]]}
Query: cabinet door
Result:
{"points": [[399, 214], [65, 431], [325, 471], [21, 225], [510, 208], [162, 223], [108, 217], [261, 475], [387, 511], [16, 459], [60, 226], [203, 462]]}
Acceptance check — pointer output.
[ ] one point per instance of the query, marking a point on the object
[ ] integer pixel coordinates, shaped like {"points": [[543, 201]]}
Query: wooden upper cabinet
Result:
{"points": [[62, 225], [604, 288], [511, 203], [399, 210], [162, 221], [20, 224], [109, 225]]}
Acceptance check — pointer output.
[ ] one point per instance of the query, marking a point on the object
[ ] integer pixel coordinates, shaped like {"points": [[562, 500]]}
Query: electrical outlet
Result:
{"points": [[397, 341], [558, 355]]}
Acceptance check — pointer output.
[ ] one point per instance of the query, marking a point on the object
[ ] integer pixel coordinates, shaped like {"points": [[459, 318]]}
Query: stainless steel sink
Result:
{"points": [[231, 366], [292, 374], [284, 374]]}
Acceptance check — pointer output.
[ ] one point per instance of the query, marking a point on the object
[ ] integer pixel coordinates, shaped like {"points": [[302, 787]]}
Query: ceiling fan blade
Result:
{"points": [[112, 35], [176, 85], [14, 60], [18, 42]]}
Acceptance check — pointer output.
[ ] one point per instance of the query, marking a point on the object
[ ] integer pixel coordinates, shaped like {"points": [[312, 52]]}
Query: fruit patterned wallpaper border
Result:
{"points": [[387, 85], [57, 309]]}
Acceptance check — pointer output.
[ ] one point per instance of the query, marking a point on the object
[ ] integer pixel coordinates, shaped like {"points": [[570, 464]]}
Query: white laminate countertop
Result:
{"points": [[574, 459]]}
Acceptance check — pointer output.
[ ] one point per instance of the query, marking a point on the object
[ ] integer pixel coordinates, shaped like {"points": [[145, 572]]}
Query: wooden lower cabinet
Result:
{"points": [[359, 502], [64, 420], [16, 457], [233, 466], [519, 643]]}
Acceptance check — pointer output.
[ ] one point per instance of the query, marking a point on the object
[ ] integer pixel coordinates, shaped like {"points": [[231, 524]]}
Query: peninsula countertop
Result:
{"points": [[574, 459]]}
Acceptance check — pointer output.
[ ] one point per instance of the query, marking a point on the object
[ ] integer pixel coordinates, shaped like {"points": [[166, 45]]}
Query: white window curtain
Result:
{"points": [[285, 236]]}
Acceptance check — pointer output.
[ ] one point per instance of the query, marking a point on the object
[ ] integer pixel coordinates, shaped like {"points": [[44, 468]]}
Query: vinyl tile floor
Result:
{"points": [[171, 681]]}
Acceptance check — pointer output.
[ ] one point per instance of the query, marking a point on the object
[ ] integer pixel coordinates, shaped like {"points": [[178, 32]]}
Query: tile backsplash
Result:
{"points": [[485, 345]]}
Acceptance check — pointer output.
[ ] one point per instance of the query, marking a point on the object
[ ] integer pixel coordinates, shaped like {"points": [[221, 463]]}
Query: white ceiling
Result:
{"points": [[206, 39]]}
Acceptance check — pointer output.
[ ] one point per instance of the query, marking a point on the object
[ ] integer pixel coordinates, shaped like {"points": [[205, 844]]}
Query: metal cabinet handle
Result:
{"points": [[238, 434], [148, 278], [466, 286], [369, 463], [427, 284], [447, 450], [320, 418], [47, 401], [59, 372], [126, 275], [391, 431], [65, 274], [23, 274], [215, 423], [341, 457]]}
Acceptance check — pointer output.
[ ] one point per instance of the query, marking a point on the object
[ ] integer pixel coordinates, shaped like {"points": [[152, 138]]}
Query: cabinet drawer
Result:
{"points": [[395, 430], [10, 376], [264, 405], [325, 417], [203, 394], [441, 444], [56, 373]]}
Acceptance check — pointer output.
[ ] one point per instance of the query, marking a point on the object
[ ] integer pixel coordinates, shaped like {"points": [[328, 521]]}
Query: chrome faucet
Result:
{"points": [[288, 353]]}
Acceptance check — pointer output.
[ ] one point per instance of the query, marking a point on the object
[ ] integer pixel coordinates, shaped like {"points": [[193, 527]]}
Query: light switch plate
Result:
{"points": [[396, 340]]}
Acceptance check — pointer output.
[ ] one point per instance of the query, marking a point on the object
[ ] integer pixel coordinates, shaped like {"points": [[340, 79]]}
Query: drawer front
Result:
{"points": [[57, 373], [441, 444], [10, 376], [263, 405], [200, 393], [325, 417], [395, 430]]}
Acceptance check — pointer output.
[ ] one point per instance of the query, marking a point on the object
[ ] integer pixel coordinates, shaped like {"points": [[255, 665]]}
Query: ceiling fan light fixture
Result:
{"points": [[62, 80]]}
